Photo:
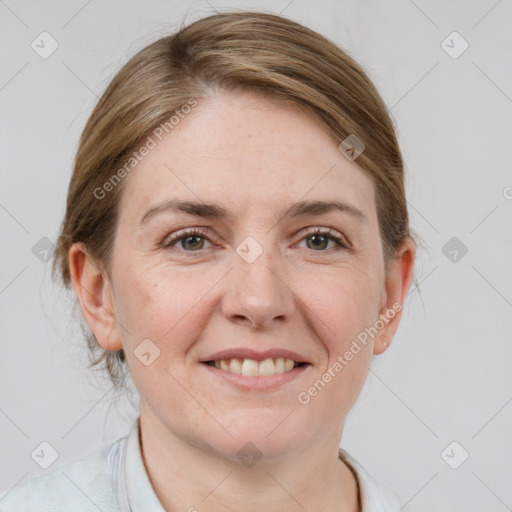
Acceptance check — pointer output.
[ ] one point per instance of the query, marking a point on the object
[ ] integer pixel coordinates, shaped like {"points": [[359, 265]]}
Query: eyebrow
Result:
{"points": [[214, 211]]}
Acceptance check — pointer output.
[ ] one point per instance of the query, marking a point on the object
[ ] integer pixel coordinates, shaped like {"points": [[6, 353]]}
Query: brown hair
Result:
{"points": [[238, 51]]}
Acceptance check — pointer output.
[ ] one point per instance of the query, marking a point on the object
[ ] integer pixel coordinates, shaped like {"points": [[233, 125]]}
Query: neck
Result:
{"points": [[192, 478]]}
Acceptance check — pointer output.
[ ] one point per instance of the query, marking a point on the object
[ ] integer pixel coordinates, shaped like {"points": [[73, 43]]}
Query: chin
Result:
{"points": [[255, 434]]}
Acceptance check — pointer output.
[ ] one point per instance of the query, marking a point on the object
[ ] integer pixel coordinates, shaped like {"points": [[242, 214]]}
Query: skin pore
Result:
{"points": [[198, 296]]}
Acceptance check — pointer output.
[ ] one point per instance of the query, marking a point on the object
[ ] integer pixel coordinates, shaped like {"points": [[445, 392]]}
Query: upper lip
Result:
{"points": [[257, 355]]}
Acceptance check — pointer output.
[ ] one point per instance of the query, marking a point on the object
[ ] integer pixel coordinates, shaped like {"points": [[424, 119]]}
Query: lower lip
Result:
{"points": [[260, 382]]}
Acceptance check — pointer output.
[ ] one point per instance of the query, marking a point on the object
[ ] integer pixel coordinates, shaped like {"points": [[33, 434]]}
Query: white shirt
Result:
{"points": [[114, 479]]}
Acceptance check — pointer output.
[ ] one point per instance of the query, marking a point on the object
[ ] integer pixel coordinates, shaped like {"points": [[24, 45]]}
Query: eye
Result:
{"points": [[321, 236], [188, 237]]}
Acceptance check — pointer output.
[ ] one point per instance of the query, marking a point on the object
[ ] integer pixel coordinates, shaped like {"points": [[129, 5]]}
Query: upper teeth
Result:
{"points": [[252, 368]]}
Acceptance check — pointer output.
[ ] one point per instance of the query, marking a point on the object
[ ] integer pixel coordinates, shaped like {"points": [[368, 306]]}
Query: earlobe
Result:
{"points": [[397, 283], [94, 293]]}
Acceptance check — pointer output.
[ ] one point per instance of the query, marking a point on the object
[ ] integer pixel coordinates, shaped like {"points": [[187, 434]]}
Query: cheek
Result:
{"points": [[164, 306], [158, 306], [345, 304]]}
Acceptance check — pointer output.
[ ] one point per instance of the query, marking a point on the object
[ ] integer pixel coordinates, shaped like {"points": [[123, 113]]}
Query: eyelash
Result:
{"points": [[169, 241]]}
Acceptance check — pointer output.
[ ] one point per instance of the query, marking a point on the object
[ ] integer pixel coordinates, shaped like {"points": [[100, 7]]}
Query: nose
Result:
{"points": [[257, 293]]}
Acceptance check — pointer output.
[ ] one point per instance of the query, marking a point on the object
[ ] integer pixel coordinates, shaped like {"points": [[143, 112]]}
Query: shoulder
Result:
{"points": [[375, 497], [83, 485]]}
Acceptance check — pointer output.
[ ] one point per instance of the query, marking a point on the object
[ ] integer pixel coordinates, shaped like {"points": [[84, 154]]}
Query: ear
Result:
{"points": [[398, 281], [94, 292]]}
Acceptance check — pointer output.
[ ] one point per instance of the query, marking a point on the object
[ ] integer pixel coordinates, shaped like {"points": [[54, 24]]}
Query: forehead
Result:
{"points": [[248, 154]]}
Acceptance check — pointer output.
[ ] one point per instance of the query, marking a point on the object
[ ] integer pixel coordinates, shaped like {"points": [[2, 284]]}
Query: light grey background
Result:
{"points": [[447, 376]]}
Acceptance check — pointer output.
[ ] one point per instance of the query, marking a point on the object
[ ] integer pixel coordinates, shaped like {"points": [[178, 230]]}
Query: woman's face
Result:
{"points": [[254, 284]]}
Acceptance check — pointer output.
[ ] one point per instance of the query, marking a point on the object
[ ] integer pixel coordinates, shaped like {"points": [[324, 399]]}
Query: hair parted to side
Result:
{"points": [[239, 51]]}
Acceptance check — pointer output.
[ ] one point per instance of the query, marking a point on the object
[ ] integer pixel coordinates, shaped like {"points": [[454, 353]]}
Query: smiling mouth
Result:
{"points": [[252, 368]]}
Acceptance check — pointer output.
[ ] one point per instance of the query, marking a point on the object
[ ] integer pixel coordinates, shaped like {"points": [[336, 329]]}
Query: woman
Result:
{"points": [[237, 234]]}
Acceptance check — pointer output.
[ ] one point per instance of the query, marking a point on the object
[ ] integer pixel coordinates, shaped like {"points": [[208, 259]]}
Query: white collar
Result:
{"points": [[375, 497], [128, 476]]}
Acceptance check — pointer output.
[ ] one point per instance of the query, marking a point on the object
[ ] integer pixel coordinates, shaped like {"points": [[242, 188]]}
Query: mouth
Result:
{"points": [[253, 368]]}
